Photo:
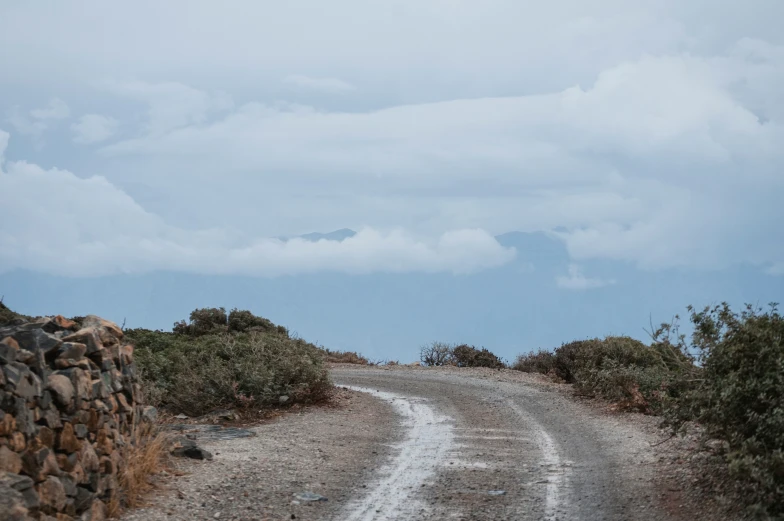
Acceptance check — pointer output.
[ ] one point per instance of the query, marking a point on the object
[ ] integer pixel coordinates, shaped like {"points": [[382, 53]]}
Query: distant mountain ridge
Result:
{"points": [[337, 235]]}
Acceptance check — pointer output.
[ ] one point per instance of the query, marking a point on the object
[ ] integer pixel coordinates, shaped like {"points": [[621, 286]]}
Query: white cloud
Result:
{"points": [[650, 132], [331, 85], [94, 128], [172, 105], [38, 120], [575, 280], [776, 269], [57, 109], [636, 166], [113, 234]]}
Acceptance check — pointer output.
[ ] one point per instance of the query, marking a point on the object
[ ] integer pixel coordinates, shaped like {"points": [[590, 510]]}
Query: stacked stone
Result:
{"points": [[69, 402]]}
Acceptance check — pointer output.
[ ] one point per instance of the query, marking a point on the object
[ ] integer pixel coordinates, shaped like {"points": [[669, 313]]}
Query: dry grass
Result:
{"points": [[142, 458]]}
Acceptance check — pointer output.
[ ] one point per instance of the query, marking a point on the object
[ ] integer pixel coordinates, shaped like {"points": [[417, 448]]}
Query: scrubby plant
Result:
{"points": [[345, 357], [203, 365], [436, 354], [465, 355], [9, 317], [242, 321], [738, 397], [565, 357], [542, 361]]}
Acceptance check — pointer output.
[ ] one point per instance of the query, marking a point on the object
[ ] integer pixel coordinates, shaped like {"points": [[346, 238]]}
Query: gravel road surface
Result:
{"points": [[436, 444]]}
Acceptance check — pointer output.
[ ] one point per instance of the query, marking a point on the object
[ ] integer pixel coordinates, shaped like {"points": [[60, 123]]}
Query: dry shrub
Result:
{"points": [[540, 362], [465, 355], [436, 354], [143, 457], [344, 357]]}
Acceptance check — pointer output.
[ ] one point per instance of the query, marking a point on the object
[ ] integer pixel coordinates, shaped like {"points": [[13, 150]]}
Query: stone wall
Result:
{"points": [[69, 402]]}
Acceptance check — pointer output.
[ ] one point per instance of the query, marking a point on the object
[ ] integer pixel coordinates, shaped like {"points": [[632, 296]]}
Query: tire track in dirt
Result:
{"points": [[428, 441]]}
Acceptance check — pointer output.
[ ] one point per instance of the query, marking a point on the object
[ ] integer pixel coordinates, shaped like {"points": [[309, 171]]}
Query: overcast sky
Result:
{"points": [[182, 135]]}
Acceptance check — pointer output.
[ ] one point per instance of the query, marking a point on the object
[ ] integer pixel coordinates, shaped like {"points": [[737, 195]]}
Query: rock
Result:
{"points": [[46, 437], [69, 484], [109, 327], [186, 448], [40, 463], [89, 336], [82, 383], [283, 399], [28, 386], [97, 512], [7, 424], [60, 323], [72, 350], [17, 442], [12, 504], [22, 484], [149, 414], [67, 440], [62, 388], [51, 493], [8, 352], [25, 422], [23, 356], [84, 499], [9, 340], [10, 461], [45, 400], [51, 418], [309, 496], [14, 372], [36, 340], [181, 417], [89, 458], [80, 430]]}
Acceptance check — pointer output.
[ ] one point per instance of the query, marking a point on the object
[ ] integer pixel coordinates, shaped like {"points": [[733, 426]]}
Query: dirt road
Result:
{"points": [[479, 448], [436, 444]]}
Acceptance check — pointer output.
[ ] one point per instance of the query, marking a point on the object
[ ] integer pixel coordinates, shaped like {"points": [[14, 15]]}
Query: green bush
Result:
{"points": [[565, 359], [241, 321], [739, 397], [203, 321], [540, 362], [617, 368], [628, 371], [469, 356], [201, 366]]}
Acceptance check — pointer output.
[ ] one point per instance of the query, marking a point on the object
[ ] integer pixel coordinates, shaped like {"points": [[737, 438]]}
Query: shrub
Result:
{"points": [[242, 321], [739, 397], [627, 371], [203, 322], [617, 368], [9, 317], [540, 362], [469, 356], [436, 354], [345, 357], [565, 358], [201, 366]]}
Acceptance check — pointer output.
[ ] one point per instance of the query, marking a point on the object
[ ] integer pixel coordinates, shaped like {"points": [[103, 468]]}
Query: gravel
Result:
{"points": [[441, 443]]}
